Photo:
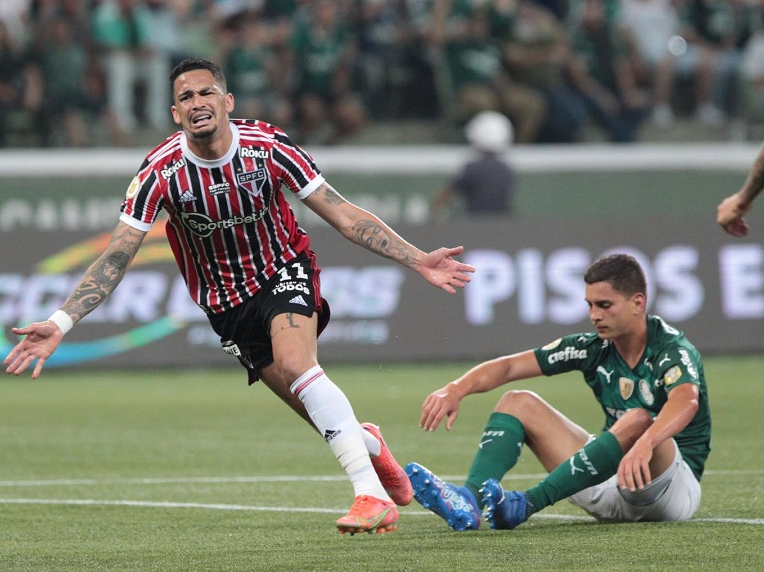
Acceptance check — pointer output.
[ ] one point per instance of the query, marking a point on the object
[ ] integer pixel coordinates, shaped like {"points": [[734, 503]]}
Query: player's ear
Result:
{"points": [[229, 102], [175, 115], [639, 300]]}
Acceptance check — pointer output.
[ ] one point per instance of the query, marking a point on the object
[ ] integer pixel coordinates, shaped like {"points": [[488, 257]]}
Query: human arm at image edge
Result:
{"points": [[41, 339], [730, 212]]}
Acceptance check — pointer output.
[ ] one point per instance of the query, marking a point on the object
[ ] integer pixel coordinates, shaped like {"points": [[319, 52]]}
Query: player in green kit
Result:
{"points": [[647, 462]]}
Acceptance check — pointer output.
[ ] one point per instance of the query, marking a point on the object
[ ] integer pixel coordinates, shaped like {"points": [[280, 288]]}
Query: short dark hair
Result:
{"points": [[191, 64], [621, 271]]}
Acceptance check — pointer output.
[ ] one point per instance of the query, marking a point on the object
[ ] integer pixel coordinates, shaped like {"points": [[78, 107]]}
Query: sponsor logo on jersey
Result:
{"points": [[645, 392], [168, 172], [552, 345], [672, 375], [567, 354], [687, 361], [298, 300], [187, 196], [290, 287], [254, 153], [664, 359], [626, 386], [252, 182], [202, 225], [219, 189], [605, 372], [230, 347]]}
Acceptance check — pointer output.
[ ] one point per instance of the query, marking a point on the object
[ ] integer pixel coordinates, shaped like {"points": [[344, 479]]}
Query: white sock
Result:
{"points": [[333, 416]]}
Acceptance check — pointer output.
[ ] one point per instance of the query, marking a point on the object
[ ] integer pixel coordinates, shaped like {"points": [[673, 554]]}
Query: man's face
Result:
{"points": [[612, 313], [200, 106]]}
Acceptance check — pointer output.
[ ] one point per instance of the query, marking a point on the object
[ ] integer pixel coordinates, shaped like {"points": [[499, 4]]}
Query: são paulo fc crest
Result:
{"points": [[252, 182]]}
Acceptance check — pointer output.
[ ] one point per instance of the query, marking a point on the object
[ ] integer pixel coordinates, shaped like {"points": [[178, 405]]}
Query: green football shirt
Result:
{"points": [[669, 360]]}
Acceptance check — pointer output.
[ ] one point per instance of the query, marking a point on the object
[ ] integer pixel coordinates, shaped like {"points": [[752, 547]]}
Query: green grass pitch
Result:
{"points": [[194, 471]]}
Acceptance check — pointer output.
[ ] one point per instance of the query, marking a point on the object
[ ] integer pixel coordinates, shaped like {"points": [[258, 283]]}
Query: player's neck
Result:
{"points": [[631, 346]]}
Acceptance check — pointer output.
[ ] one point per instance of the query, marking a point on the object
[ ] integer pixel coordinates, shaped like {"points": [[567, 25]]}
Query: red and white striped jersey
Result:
{"points": [[229, 224]]}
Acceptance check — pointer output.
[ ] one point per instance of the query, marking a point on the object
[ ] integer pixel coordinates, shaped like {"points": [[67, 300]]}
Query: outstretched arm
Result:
{"points": [[444, 402], [730, 212], [365, 229], [42, 338]]}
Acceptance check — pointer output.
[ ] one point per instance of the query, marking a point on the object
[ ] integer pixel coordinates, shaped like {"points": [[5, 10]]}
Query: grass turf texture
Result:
{"points": [[182, 471]]}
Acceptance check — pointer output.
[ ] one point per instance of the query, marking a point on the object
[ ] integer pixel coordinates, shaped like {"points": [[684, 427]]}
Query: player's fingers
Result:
{"points": [[20, 364], [38, 368], [451, 418], [429, 419]]}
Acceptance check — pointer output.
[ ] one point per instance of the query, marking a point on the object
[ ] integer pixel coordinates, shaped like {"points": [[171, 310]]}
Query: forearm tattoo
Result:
{"points": [[756, 179], [99, 282], [331, 196], [104, 274], [377, 238]]}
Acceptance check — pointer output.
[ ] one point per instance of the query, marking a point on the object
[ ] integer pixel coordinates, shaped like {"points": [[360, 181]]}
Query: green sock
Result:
{"points": [[499, 449], [594, 463]]}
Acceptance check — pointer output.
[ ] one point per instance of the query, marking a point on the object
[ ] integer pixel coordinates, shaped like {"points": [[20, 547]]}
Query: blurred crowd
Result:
{"points": [[327, 69]]}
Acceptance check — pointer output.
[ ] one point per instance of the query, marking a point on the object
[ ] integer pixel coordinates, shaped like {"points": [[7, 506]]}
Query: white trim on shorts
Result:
{"points": [[674, 495]]}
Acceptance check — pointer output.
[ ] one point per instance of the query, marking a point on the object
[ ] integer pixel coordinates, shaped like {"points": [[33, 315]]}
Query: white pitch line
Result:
{"points": [[275, 479], [237, 507]]}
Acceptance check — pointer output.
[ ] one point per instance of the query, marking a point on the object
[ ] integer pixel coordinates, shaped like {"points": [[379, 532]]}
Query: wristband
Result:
{"points": [[62, 320]]}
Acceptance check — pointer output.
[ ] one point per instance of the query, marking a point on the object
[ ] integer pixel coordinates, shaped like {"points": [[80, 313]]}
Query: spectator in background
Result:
{"points": [[15, 14], [752, 74], [485, 183], [599, 70], [722, 27], [477, 81], [12, 80], [536, 54], [254, 75], [382, 39], [122, 31], [72, 92], [323, 53], [662, 56]]}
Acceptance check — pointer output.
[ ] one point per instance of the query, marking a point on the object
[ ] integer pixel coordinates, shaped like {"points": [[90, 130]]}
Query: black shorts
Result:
{"points": [[245, 330]]}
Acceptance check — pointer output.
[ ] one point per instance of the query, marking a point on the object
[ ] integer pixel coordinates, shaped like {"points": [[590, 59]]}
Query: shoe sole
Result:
{"points": [[352, 531], [427, 494]]}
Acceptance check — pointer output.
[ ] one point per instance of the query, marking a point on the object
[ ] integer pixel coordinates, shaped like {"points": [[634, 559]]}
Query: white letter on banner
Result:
{"points": [[682, 293], [742, 281], [565, 271], [140, 297], [492, 282]]}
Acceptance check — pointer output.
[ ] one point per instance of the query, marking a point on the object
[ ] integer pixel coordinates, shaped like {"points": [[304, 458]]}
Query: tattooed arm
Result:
{"points": [[367, 230], [100, 280], [731, 211]]}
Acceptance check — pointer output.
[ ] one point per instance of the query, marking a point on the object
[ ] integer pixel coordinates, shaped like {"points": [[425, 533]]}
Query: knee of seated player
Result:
{"points": [[522, 404]]}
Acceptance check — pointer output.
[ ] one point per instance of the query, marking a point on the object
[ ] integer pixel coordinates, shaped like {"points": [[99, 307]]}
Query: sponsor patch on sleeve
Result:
{"points": [[552, 345], [672, 375], [132, 190]]}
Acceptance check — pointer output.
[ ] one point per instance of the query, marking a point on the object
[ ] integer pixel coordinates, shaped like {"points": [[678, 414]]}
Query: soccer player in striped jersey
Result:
{"points": [[647, 462], [250, 267]]}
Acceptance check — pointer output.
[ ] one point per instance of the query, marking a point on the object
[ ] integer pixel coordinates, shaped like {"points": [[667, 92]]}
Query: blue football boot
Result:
{"points": [[456, 505], [505, 510]]}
